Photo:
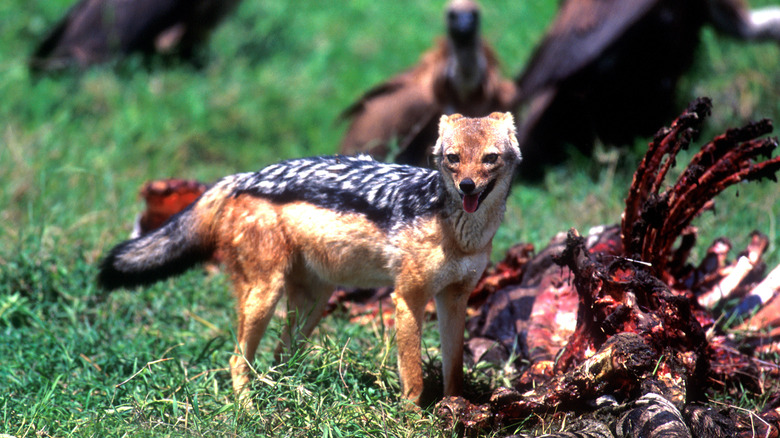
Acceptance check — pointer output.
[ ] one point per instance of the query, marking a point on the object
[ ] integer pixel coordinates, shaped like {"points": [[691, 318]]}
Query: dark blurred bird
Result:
{"points": [[96, 31], [398, 119], [608, 69]]}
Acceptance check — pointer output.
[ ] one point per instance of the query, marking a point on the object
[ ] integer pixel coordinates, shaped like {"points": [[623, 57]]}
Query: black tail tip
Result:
{"points": [[115, 274], [109, 278]]}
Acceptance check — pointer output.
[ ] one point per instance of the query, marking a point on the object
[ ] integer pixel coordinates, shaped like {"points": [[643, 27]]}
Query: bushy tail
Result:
{"points": [[183, 242]]}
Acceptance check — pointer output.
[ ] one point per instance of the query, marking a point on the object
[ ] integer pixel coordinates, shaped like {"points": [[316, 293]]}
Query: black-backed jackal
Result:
{"points": [[302, 226]]}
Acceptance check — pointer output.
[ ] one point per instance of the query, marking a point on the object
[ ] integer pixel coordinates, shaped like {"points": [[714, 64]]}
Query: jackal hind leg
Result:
{"points": [[307, 297], [257, 255], [255, 308], [409, 314], [451, 315]]}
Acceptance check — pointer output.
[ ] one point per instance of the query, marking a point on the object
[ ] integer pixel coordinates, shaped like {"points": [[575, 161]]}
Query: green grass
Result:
{"points": [[75, 149]]}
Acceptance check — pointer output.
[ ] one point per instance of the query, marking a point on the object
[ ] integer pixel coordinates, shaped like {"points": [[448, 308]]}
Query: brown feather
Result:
{"points": [[96, 31]]}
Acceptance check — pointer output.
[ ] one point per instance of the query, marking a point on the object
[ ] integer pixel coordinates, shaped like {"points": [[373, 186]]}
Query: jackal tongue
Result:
{"points": [[471, 203]]}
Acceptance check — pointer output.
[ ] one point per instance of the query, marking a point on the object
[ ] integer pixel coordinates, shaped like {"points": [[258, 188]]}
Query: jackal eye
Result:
{"points": [[453, 158], [490, 158]]}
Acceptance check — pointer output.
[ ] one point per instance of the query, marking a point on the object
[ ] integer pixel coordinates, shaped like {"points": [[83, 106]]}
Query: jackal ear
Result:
{"points": [[508, 122], [446, 120], [502, 116], [445, 124]]}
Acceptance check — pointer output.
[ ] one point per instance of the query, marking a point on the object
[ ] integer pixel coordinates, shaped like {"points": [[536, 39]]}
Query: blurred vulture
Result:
{"points": [[398, 119], [609, 68], [96, 31]]}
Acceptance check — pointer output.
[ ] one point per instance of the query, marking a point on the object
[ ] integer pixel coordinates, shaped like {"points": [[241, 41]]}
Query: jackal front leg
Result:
{"points": [[451, 314], [409, 311]]}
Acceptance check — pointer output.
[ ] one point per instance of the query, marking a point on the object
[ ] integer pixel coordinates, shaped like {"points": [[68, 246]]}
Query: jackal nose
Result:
{"points": [[467, 186]]}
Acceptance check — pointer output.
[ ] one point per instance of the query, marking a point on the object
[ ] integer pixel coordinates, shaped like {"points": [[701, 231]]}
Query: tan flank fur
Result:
{"points": [[276, 239]]}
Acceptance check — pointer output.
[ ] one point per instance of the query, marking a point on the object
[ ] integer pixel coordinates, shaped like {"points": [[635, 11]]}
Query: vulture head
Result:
{"points": [[463, 22]]}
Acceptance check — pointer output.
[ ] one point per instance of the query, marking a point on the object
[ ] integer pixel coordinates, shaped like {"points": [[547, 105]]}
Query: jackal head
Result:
{"points": [[475, 155]]}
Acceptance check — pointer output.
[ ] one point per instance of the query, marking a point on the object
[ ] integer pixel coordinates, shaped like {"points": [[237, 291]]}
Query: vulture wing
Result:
{"points": [[395, 116], [582, 30]]}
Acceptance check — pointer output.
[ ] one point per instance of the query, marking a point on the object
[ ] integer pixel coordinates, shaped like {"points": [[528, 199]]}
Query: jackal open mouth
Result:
{"points": [[472, 201]]}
